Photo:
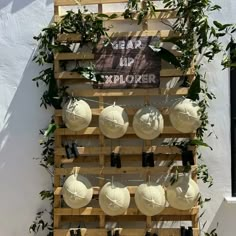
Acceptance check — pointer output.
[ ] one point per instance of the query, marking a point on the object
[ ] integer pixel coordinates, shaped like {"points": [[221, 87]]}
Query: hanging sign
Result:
{"points": [[128, 62]]}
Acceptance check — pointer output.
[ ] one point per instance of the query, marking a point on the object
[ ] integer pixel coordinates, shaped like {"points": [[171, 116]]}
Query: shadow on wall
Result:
{"points": [[19, 144], [20, 4], [225, 217]]}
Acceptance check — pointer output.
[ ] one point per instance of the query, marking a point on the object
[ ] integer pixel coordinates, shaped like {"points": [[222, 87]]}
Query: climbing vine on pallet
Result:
{"points": [[90, 27], [198, 37]]}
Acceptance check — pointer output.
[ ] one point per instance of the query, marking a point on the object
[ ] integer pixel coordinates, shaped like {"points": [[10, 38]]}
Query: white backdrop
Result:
{"points": [[21, 178]]}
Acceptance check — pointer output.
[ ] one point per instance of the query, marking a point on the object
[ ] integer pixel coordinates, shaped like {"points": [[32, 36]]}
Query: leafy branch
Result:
{"points": [[90, 27], [40, 222], [137, 10]]}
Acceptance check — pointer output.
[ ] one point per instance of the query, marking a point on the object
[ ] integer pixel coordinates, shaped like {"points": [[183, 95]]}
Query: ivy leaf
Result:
{"points": [[215, 7], [113, 16], [198, 142], [44, 166], [166, 55], [220, 26], [194, 89], [217, 24], [50, 130], [207, 199], [140, 17], [102, 15], [155, 48], [233, 30], [230, 44], [225, 26], [89, 73], [220, 34]]}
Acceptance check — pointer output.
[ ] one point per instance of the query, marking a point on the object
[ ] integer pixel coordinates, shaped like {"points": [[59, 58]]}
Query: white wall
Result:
{"points": [[219, 160], [21, 178]]}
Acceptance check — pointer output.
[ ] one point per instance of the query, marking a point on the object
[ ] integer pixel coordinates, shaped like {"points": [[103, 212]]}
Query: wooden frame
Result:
{"points": [[99, 154]]}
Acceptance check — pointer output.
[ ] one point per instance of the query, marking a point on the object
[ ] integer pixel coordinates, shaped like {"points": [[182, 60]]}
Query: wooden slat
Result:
{"points": [[124, 218], [56, 11], [125, 232], [85, 2], [57, 182], [94, 137], [128, 160], [96, 131], [128, 92], [65, 75], [161, 14], [124, 150], [73, 37], [122, 170], [176, 72], [74, 56], [90, 56], [102, 218], [130, 211]]}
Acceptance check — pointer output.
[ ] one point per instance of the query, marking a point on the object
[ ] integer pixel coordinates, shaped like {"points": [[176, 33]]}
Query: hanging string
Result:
{"points": [[129, 105], [143, 179]]}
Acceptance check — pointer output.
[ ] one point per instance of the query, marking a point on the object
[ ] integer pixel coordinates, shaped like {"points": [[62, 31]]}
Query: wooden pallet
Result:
{"points": [[124, 232], [94, 160]]}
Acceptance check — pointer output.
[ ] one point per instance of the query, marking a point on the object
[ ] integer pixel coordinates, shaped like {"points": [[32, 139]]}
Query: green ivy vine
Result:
{"points": [[199, 36], [90, 27], [46, 160]]}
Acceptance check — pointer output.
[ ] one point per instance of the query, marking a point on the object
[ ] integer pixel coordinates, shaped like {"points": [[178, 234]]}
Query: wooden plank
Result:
{"points": [[160, 14], [74, 56], [130, 211], [176, 72], [65, 75], [57, 182], [160, 33], [127, 92], [93, 136], [56, 12], [102, 218], [90, 56], [144, 21], [96, 131], [124, 218], [125, 232], [122, 170], [85, 2], [195, 219], [128, 160], [124, 150]]}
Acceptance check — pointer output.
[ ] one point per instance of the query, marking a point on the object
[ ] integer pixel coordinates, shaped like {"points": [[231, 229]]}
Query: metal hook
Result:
{"points": [[112, 182], [149, 179], [76, 171]]}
